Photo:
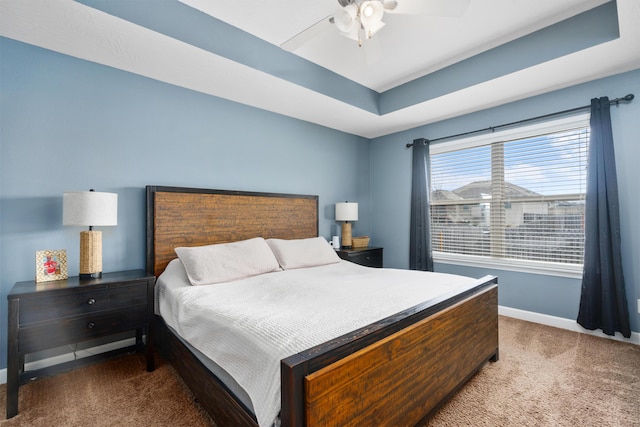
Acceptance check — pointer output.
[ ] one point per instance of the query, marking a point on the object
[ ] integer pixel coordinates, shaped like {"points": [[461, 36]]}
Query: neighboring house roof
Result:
{"points": [[476, 189], [445, 195]]}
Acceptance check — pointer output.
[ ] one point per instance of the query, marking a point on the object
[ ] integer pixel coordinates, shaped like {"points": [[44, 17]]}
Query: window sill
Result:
{"points": [[573, 271]]}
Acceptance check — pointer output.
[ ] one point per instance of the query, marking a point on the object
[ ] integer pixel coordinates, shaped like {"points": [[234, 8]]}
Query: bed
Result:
{"points": [[393, 371]]}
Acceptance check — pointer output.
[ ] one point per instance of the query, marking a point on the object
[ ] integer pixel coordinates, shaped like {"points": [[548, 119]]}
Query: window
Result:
{"points": [[513, 199]]}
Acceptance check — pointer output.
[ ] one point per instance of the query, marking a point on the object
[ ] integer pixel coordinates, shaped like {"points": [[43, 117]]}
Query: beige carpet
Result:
{"points": [[545, 377], [550, 377]]}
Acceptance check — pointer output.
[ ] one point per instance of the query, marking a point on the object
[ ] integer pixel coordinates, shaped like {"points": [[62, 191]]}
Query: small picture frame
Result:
{"points": [[51, 265]]}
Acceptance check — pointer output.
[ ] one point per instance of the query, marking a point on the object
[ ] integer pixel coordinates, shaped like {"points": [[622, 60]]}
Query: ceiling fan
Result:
{"points": [[361, 19]]}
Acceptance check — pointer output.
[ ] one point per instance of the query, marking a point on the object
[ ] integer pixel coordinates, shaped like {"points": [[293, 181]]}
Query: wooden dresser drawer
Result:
{"points": [[78, 303], [44, 335]]}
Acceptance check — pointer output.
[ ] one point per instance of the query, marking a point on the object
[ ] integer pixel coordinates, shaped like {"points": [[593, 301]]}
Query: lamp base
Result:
{"points": [[90, 254], [346, 235]]}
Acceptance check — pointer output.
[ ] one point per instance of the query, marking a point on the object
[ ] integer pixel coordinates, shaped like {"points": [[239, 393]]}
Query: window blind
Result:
{"points": [[519, 199]]}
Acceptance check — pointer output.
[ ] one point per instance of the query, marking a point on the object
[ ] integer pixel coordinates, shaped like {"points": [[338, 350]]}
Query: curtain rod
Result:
{"points": [[616, 101]]}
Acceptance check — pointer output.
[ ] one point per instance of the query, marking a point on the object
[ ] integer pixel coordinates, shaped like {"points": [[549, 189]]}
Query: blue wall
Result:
{"points": [[69, 124], [556, 296]]}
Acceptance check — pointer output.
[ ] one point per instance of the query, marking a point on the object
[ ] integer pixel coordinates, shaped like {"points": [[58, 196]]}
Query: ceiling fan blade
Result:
{"points": [[444, 8], [305, 35]]}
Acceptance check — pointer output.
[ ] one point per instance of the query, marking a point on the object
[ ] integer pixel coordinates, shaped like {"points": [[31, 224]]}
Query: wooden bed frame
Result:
{"points": [[393, 372]]}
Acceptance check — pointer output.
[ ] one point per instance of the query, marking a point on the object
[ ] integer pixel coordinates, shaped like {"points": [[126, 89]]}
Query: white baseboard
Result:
{"points": [[530, 316], [562, 323], [79, 354]]}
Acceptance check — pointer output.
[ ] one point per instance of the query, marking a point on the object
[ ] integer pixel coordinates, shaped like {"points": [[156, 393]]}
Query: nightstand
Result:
{"points": [[369, 257], [51, 314]]}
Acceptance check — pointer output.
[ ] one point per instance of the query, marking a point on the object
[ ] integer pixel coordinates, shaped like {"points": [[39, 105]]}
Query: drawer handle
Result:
{"points": [[91, 325], [91, 301]]}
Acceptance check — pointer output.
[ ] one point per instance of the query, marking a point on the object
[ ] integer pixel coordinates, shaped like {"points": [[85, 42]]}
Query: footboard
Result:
{"points": [[397, 371]]}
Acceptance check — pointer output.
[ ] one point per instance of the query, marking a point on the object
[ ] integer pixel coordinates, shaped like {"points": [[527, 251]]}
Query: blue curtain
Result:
{"points": [[603, 301], [420, 257]]}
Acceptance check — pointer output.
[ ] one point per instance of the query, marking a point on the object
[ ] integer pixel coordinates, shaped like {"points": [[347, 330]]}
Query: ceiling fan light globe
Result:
{"points": [[371, 12], [345, 18], [367, 11]]}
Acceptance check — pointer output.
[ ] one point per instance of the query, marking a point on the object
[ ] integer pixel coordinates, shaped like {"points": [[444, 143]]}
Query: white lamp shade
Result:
{"points": [[89, 208], [347, 211]]}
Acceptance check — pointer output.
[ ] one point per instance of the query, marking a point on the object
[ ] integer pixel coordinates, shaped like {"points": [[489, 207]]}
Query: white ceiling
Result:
{"points": [[421, 43], [408, 47]]}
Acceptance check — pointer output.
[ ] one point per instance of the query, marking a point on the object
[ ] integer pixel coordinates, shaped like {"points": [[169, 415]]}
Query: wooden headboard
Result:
{"points": [[179, 216]]}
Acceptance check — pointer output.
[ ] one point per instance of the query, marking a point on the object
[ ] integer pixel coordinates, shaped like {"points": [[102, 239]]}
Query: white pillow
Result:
{"points": [[299, 253], [226, 262]]}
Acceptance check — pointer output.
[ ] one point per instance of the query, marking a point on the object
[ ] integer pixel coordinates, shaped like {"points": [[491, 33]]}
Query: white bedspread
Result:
{"points": [[248, 326]]}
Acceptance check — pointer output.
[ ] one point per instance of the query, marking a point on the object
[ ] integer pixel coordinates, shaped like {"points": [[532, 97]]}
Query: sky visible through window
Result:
{"points": [[548, 165]]}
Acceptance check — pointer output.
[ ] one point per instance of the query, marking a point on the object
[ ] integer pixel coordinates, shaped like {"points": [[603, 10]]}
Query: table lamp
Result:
{"points": [[90, 209], [345, 212]]}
